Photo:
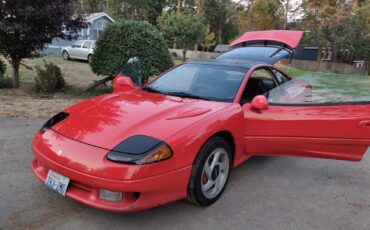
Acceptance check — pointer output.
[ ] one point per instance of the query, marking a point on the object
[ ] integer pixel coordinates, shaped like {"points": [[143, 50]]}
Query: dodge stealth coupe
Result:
{"points": [[180, 135]]}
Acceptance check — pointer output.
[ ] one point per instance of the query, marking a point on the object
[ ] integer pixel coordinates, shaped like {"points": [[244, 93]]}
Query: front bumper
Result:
{"points": [[138, 194], [143, 186]]}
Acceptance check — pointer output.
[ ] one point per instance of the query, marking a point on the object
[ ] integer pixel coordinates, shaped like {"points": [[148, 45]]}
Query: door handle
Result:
{"points": [[364, 124]]}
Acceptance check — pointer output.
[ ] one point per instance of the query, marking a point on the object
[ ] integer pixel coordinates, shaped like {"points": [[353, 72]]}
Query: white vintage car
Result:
{"points": [[81, 50]]}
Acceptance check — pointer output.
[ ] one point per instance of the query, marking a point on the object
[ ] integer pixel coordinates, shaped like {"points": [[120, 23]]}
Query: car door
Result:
{"points": [[302, 125], [75, 49], [85, 50]]}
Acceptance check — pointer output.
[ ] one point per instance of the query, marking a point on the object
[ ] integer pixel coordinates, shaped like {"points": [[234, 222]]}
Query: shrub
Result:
{"points": [[125, 39], [5, 81], [49, 79], [2, 68]]}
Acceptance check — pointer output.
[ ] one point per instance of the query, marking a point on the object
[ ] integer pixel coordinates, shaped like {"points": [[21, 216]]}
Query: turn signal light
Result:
{"points": [[161, 153], [110, 195]]}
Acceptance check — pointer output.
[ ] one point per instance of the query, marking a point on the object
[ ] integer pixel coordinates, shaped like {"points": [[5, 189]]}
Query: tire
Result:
{"points": [[206, 188], [89, 58], [65, 55]]}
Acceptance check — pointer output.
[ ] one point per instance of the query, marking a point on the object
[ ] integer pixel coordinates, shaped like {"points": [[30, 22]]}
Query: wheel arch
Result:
{"points": [[228, 137]]}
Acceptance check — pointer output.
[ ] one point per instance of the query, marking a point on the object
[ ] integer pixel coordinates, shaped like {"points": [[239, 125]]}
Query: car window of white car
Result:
{"points": [[87, 45], [77, 44]]}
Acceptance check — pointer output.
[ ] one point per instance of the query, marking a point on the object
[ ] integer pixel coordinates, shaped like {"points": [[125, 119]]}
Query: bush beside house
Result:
{"points": [[125, 39]]}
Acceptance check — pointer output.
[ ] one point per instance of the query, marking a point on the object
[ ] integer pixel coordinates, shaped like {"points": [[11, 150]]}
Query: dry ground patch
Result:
{"points": [[24, 102]]}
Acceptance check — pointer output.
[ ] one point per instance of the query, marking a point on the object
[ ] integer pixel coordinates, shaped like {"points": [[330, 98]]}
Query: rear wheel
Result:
{"points": [[89, 58], [210, 172], [65, 55]]}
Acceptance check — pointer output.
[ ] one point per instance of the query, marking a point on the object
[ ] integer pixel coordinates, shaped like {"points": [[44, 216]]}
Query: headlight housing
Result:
{"points": [[140, 150], [54, 120]]}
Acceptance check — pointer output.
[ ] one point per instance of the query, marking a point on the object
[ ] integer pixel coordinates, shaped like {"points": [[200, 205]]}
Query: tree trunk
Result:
{"points": [[184, 55], [319, 56], [219, 33], [100, 82], [333, 67], [15, 65], [365, 68], [178, 5]]}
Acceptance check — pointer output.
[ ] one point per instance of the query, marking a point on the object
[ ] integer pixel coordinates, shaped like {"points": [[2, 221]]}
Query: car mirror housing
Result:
{"points": [[122, 83], [259, 103]]}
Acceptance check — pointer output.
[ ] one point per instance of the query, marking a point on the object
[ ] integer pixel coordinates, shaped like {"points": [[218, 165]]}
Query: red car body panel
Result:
{"points": [[290, 38], [77, 147], [314, 131], [107, 121]]}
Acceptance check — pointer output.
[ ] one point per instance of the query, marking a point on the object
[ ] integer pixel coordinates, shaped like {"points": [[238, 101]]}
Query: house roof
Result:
{"points": [[91, 17]]}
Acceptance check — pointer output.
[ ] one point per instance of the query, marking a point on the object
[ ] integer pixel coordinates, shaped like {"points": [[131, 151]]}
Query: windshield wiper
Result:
{"points": [[149, 89], [188, 95]]}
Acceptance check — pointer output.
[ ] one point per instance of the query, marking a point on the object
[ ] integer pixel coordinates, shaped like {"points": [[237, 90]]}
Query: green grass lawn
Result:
{"points": [[77, 75], [333, 86]]}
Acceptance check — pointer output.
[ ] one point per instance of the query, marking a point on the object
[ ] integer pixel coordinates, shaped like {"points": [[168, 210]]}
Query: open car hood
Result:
{"points": [[268, 46]]}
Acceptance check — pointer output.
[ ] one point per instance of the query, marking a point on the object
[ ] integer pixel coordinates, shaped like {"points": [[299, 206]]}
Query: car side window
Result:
{"points": [[260, 82], [87, 45], [77, 44], [280, 77]]}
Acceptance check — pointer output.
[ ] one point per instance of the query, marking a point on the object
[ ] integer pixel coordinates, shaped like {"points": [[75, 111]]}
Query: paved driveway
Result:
{"points": [[263, 193]]}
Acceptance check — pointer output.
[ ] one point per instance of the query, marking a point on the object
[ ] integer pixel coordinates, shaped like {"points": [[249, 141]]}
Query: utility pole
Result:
{"points": [[286, 14]]}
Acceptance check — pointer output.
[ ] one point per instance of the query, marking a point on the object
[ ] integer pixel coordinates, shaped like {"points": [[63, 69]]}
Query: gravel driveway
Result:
{"points": [[263, 193]]}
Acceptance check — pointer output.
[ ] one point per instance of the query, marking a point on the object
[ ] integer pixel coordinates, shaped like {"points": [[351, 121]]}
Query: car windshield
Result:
{"points": [[201, 81]]}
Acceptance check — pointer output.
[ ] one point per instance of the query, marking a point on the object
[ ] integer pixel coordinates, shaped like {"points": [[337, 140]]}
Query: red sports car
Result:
{"points": [[179, 136]]}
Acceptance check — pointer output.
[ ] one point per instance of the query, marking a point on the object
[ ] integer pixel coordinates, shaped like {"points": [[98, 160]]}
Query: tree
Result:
{"points": [[222, 17], [186, 29], [337, 25], [209, 38], [262, 15], [147, 10], [127, 38], [25, 26], [181, 5]]}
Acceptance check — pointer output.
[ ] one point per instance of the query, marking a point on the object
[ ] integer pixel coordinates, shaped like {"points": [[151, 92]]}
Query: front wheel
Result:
{"points": [[210, 172], [65, 55]]}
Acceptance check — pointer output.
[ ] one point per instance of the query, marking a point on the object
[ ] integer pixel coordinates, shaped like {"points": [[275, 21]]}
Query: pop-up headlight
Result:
{"points": [[140, 150], [54, 120]]}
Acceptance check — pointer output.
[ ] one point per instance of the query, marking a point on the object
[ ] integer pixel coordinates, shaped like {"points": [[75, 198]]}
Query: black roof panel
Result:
{"points": [[246, 64]]}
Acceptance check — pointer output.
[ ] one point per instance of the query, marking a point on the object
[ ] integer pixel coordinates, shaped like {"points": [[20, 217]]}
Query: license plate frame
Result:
{"points": [[57, 182]]}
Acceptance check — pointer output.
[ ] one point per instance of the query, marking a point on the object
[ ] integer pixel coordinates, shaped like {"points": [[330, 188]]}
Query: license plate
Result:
{"points": [[57, 182]]}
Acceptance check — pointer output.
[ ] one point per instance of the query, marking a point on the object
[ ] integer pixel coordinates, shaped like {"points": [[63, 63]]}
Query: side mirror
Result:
{"points": [[122, 83], [259, 103]]}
